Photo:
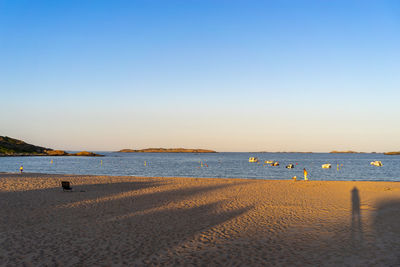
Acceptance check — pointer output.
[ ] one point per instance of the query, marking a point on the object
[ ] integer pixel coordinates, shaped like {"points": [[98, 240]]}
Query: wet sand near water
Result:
{"points": [[139, 221]]}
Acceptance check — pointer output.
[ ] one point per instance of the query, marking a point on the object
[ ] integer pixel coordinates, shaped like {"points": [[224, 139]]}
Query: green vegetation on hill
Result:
{"points": [[14, 147], [11, 146], [167, 150]]}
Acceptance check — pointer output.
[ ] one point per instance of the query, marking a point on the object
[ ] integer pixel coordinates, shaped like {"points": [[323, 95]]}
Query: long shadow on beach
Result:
{"points": [[356, 220], [107, 224], [386, 225], [27, 207], [142, 223]]}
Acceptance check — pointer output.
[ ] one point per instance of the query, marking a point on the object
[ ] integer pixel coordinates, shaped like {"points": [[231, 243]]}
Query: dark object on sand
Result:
{"points": [[66, 186]]}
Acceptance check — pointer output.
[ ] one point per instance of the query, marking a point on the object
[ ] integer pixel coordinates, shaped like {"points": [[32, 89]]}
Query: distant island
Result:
{"points": [[347, 151], [392, 153], [13, 147], [283, 152], [167, 150]]}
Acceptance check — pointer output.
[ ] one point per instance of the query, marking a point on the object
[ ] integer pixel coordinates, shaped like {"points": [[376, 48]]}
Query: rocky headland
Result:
{"points": [[10, 147], [167, 150]]}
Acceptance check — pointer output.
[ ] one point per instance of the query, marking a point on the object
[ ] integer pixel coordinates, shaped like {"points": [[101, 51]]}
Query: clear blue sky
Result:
{"points": [[224, 75]]}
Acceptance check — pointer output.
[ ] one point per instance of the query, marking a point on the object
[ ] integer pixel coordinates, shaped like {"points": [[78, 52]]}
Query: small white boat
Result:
{"points": [[326, 166], [268, 161], [276, 163], [376, 163], [289, 166], [253, 159]]}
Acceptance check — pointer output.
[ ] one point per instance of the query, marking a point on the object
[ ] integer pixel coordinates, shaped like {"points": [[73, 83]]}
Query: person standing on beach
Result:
{"points": [[305, 174], [21, 169]]}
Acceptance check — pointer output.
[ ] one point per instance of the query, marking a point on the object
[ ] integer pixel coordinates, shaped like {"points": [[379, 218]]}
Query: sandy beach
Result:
{"points": [[136, 221]]}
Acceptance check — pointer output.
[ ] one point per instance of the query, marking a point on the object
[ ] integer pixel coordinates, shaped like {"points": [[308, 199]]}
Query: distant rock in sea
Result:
{"points": [[347, 151], [56, 153], [392, 153], [87, 154], [283, 152], [14, 147], [167, 150]]}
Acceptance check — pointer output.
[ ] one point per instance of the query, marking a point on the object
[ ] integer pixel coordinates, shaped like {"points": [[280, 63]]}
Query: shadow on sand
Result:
{"points": [[110, 224], [63, 228], [356, 221], [386, 225]]}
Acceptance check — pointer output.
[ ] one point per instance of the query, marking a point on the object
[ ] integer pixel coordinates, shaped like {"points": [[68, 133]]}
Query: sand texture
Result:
{"points": [[127, 221]]}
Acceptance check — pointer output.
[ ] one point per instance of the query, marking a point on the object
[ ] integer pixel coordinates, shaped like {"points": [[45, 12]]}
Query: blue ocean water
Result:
{"points": [[215, 165]]}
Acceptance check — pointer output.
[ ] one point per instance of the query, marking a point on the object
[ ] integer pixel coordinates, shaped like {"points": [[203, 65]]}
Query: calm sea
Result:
{"points": [[215, 165]]}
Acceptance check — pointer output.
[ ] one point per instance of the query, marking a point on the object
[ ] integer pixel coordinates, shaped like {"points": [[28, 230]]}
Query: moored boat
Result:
{"points": [[253, 159], [376, 163]]}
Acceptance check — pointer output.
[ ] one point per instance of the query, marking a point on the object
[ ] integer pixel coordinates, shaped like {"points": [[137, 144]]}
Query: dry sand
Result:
{"points": [[119, 221]]}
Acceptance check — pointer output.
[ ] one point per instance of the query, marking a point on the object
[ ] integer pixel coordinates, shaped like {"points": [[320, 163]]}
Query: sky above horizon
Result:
{"points": [[223, 75]]}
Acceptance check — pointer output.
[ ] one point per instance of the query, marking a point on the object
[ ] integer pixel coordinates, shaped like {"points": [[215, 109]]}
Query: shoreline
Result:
{"points": [[299, 179], [141, 221]]}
